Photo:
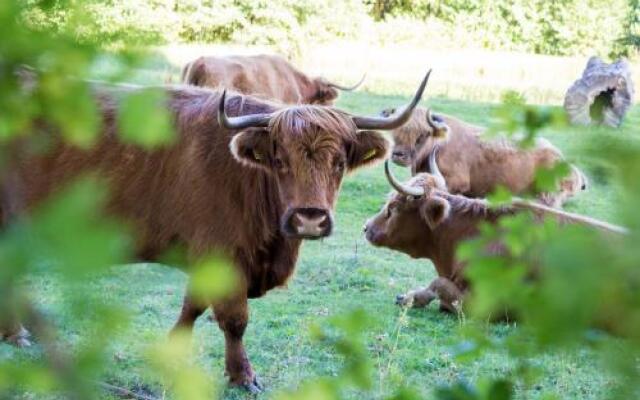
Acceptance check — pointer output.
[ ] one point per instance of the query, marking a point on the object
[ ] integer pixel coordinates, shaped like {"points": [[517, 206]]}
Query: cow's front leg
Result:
{"points": [[232, 316], [416, 298]]}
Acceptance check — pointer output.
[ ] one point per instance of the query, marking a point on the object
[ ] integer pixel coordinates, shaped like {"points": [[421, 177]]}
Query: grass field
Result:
{"points": [[335, 275]]}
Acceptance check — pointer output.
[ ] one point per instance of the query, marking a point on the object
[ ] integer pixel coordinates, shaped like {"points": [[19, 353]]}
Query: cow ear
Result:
{"points": [[369, 147], [440, 128], [435, 210], [326, 94], [252, 147]]}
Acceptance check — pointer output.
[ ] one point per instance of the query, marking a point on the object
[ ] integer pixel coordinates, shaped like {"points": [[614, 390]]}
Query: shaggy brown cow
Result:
{"points": [[267, 76], [251, 185], [423, 220], [409, 139], [474, 166]]}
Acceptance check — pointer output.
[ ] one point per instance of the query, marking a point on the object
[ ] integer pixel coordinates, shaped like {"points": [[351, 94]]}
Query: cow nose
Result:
{"points": [[310, 222]]}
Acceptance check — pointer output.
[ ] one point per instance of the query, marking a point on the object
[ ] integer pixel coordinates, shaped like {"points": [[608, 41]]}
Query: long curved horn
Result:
{"points": [[581, 219], [349, 88], [242, 122], [395, 121], [400, 187], [435, 170]]}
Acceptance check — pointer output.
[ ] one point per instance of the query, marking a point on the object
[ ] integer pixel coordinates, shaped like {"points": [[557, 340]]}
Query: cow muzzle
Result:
{"points": [[401, 158], [372, 234], [307, 223]]}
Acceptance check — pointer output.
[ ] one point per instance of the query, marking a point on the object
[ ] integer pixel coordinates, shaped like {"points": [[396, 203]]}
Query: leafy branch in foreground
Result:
{"points": [[70, 238], [568, 286]]}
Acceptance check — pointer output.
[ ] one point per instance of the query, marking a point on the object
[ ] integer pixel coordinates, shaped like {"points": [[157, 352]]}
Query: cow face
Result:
{"points": [[406, 221], [414, 135], [307, 151], [574, 183]]}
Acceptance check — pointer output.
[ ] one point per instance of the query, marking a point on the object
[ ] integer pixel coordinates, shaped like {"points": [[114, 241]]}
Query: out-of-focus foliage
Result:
{"points": [[568, 286], [344, 334], [287, 24], [69, 238], [547, 27], [630, 42]]}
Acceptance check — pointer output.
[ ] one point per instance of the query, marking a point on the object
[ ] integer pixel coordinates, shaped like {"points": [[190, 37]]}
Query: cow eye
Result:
{"points": [[420, 139], [280, 164], [338, 166], [388, 212]]}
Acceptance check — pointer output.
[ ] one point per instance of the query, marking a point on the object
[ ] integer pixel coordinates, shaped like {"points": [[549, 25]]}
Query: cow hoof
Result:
{"points": [[20, 339], [404, 300], [253, 387]]}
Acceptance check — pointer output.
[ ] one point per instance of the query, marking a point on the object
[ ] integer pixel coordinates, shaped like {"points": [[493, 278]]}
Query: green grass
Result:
{"points": [[335, 275]]}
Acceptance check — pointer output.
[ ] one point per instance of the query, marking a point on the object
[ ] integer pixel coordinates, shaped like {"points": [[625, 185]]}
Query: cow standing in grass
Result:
{"points": [[247, 178], [475, 166], [267, 76], [422, 219]]}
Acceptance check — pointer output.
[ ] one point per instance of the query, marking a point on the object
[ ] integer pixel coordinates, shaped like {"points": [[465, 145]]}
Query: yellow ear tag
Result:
{"points": [[442, 133], [257, 156], [370, 154]]}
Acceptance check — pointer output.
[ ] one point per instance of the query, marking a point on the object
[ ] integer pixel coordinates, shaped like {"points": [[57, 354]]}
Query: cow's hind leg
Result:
{"points": [[233, 316], [191, 310], [449, 294]]}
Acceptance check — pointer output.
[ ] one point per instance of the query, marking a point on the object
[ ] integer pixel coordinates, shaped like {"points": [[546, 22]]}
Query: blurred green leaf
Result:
{"points": [[500, 196], [458, 391], [500, 390], [212, 278], [548, 179], [144, 119], [171, 359]]}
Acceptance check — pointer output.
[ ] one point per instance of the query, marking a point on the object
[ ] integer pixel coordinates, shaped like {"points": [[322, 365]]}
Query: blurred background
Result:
{"points": [[101, 324], [478, 48]]}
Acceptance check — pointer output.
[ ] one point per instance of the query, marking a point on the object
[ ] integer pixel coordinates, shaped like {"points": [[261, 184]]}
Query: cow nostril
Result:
{"points": [[311, 222], [364, 228], [312, 213]]}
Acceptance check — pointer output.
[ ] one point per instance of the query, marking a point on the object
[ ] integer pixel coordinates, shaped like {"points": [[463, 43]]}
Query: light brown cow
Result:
{"points": [[422, 219], [248, 178], [475, 166], [267, 76]]}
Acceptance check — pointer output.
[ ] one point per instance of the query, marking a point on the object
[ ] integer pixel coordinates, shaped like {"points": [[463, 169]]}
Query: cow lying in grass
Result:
{"points": [[263, 75], [474, 166], [424, 220]]}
